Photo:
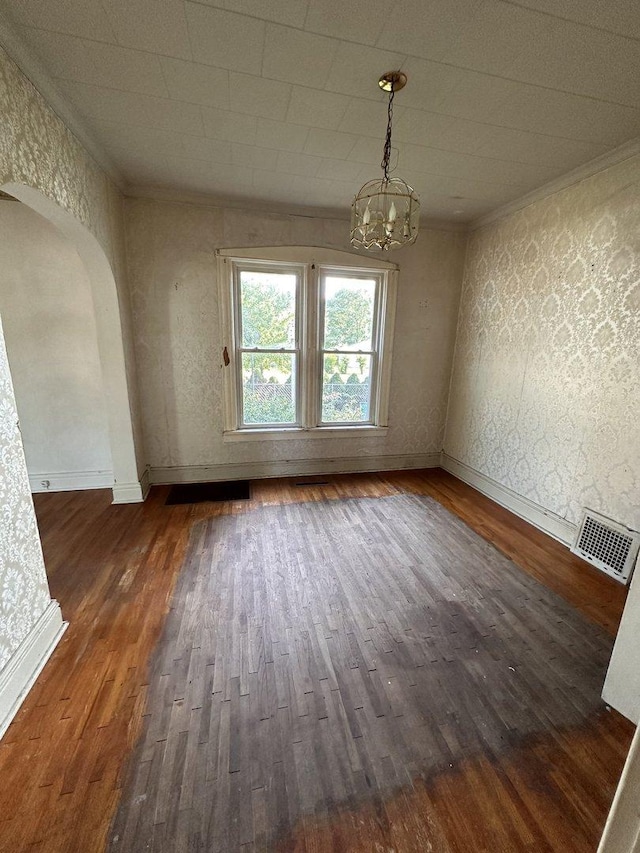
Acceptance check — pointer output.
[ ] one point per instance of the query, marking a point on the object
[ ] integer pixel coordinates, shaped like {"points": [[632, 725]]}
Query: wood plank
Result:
{"points": [[369, 670]]}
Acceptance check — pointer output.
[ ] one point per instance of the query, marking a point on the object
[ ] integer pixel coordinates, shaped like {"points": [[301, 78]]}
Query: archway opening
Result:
{"points": [[50, 334], [124, 471]]}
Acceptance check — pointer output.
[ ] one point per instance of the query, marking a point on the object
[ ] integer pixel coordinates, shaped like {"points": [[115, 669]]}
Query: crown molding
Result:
{"points": [[33, 69], [176, 196], [575, 176], [36, 73]]}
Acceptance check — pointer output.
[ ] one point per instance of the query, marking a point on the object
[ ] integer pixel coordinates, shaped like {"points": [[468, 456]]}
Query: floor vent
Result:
{"points": [[610, 546]]}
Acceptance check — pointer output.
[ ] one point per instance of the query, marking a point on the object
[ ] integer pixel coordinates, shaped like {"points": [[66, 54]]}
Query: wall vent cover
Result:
{"points": [[608, 545]]}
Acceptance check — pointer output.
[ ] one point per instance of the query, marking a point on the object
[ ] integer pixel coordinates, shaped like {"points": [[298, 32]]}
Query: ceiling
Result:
{"points": [[277, 100]]}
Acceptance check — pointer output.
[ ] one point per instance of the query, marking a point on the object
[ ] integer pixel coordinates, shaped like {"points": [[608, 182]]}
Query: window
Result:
{"points": [[307, 342], [267, 303]]}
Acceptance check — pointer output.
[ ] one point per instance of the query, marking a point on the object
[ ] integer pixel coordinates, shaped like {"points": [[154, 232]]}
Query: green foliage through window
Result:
{"points": [[348, 315], [269, 345], [268, 310]]}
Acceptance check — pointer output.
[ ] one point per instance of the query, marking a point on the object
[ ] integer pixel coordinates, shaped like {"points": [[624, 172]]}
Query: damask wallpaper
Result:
{"points": [[544, 394], [24, 591], [172, 270], [36, 149]]}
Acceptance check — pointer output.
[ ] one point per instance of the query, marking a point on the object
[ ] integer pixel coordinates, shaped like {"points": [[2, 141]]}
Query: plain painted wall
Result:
{"points": [[50, 334], [622, 831], [622, 684]]}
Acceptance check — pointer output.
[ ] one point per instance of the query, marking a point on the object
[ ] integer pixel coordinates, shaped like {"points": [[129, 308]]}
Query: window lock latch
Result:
{"points": [[225, 357]]}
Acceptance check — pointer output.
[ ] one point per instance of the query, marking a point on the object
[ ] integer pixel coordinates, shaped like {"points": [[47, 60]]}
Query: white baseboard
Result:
{"points": [[561, 529], [70, 481], [145, 483], [129, 493], [292, 468], [26, 663]]}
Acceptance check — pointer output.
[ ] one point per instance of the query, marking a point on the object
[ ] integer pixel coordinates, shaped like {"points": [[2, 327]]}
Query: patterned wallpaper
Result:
{"points": [[544, 395], [24, 592], [544, 385], [38, 150], [172, 271]]}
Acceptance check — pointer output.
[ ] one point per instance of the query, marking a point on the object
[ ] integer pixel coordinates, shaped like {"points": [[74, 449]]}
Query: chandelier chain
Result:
{"points": [[387, 143]]}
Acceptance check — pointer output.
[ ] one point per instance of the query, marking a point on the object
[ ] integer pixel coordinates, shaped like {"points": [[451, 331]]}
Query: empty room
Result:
{"points": [[319, 426]]}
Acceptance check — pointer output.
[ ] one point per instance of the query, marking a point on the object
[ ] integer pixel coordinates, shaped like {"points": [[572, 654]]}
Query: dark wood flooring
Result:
{"points": [[335, 668]]}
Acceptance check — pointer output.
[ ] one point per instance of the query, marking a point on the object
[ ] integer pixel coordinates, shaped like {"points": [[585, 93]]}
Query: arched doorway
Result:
{"points": [[126, 482], [50, 336]]}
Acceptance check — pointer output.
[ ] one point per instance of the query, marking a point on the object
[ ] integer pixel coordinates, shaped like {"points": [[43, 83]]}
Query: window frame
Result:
{"points": [[277, 268], [312, 264], [323, 272]]}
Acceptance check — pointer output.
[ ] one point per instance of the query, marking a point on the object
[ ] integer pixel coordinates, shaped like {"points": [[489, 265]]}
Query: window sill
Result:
{"points": [[300, 433]]}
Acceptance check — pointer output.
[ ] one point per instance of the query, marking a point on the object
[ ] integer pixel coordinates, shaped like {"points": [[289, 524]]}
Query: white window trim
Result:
{"points": [[312, 259], [299, 350], [288, 433]]}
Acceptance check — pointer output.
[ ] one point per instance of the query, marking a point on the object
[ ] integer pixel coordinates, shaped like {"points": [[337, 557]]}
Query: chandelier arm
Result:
{"points": [[387, 143]]}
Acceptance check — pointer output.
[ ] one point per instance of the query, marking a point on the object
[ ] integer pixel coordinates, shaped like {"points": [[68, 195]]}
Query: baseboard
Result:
{"points": [[72, 481], [145, 483], [129, 493], [292, 468], [26, 663], [561, 529]]}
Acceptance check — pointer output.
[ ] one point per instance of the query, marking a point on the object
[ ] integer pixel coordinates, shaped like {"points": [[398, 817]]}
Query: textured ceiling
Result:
{"points": [[277, 100]]}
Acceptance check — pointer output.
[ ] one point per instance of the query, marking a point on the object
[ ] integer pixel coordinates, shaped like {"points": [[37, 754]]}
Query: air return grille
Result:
{"points": [[608, 545]]}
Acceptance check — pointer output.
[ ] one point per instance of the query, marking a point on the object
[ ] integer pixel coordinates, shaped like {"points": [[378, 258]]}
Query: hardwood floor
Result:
{"points": [[89, 747]]}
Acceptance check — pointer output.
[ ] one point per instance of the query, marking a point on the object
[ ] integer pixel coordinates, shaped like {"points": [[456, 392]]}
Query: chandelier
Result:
{"points": [[386, 211]]}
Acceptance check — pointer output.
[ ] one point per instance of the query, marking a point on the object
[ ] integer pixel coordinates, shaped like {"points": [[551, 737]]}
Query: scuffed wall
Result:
{"points": [[172, 268], [544, 393]]}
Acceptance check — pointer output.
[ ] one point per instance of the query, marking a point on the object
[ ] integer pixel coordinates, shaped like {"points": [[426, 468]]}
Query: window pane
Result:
{"points": [[348, 313], [268, 304], [346, 388], [268, 388]]}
